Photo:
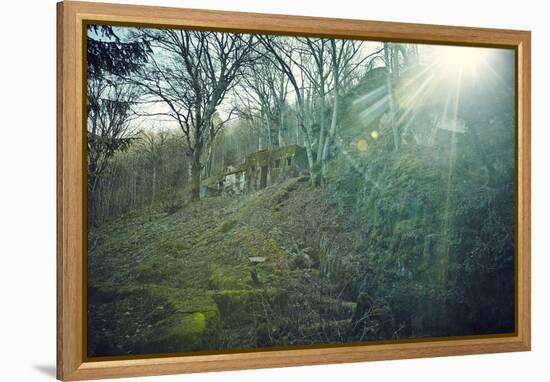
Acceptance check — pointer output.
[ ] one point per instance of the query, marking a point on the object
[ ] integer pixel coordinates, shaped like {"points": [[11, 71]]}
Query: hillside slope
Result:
{"points": [[221, 273], [407, 244]]}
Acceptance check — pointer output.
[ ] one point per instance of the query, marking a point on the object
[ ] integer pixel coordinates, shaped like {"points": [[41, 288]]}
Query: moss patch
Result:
{"points": [[152, 319], [186, 332], [230, 278], [256, 244], [227, 225]]}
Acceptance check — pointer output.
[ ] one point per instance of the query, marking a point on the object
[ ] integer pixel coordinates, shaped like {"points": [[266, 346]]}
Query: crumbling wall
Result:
{"points": [[268, 167], [260, 169]]}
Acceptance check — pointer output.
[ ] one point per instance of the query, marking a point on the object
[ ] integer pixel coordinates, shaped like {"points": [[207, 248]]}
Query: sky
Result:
{"points": [[447, 61]]}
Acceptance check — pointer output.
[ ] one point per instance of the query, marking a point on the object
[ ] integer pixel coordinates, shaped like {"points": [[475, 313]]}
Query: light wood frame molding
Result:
{"points": [[71, 16]]}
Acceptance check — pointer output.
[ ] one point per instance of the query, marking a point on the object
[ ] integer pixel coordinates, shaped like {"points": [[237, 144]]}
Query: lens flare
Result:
{"points": [[362, 145], [459, 59]]}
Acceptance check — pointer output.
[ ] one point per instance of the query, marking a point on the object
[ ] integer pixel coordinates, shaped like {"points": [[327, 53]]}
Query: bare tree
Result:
{"points": [[345, 61], [285, 56], [316, 69], [262, 97], [154, 147], [189, 73], [391, 73], [214, 127], [109, 128], [314, 63], [396, 56], [248, 111]]}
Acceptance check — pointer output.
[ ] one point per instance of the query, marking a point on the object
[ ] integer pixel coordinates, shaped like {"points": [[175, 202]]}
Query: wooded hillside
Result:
{"points": [[398, 223]]}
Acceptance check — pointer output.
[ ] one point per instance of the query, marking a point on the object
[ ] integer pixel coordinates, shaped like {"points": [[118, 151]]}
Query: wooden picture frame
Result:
{"points": [[72, 363]]}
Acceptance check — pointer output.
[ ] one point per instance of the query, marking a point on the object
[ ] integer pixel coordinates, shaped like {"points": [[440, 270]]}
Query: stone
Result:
{"points": [[256, 259]]}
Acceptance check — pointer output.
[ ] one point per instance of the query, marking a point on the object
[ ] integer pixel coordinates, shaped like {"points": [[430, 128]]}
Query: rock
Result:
{"points": [[301, 261], [256, 259]]}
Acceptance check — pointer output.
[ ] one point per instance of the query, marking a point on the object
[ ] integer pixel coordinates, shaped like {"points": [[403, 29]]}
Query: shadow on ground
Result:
{"points": [[48, 370]]}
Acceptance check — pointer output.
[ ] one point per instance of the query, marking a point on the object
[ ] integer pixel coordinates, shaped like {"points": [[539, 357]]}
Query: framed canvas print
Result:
{"points": [[246, 190]]}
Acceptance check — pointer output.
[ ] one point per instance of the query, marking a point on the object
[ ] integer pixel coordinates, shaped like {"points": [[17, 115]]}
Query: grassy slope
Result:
{"points": [[183, 282]]}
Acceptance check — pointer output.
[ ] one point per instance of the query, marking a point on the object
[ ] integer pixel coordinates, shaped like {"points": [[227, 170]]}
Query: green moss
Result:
{"points": [[192, 320], [255, 243], [186, 332], [173, 247], [230, 278], [181, 246], [189, 328], [153, 318], [227, 225]]}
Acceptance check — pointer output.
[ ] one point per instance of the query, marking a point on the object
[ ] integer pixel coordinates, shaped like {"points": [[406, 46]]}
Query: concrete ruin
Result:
{"points": [[259, 170]]}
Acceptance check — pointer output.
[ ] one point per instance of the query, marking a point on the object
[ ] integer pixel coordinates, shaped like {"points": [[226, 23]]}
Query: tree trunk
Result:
{"points": [[260, 142], [322, 130], [309, 153], [153, 186], [210, 159], [310, 161], [332, 132], [280, 130], [391, 99], [196, 168], [269, 135], [391, 102], [297, 132]]}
